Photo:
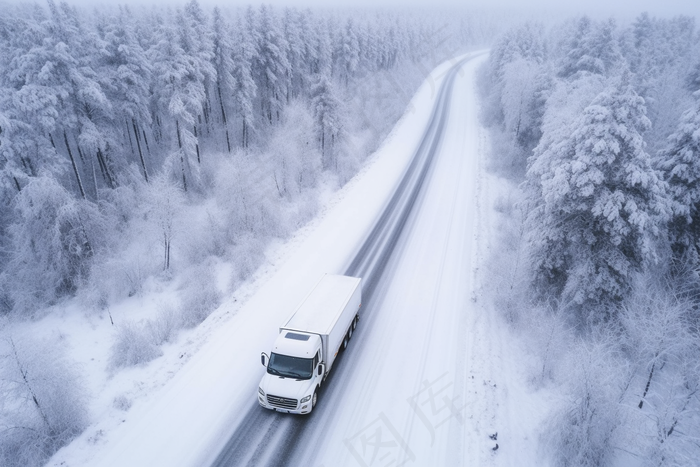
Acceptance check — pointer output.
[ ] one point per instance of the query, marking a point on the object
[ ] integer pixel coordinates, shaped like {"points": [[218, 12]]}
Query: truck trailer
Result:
{"points": [[308, 344]]}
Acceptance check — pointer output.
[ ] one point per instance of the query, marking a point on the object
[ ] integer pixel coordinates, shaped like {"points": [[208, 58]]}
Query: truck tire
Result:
{"points": [[350, 333], [314, 399], [354, 322], [346, 339]]}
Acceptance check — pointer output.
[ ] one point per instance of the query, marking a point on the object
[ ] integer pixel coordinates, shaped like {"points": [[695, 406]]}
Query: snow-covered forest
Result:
{"points": [[103, 113], [597, 125], [141, 147]]}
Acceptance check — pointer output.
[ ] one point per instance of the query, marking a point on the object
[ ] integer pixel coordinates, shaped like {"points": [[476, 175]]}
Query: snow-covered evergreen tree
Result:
{"points": [[591, 48], [350, 52], [296, 53], [224, 66], [326, 108], [244, 51], [272, 65], [179, 93], [53, 238], [598, 203], [126, 74], [680, 165]]}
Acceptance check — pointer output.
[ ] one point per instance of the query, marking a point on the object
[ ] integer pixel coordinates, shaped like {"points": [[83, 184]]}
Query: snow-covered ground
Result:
{"points": [[429, 375]]}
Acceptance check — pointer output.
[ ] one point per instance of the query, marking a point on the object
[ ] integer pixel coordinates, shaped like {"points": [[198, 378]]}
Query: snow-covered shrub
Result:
{"points": [[507, 270], [295, 159], [122, 403], [551, 338], [247, 255], [164, 326], [585, 431], [164, 201], [200, 296], [114, 277], [42, 401], [133, 345], [663, 345], [246, 192]]}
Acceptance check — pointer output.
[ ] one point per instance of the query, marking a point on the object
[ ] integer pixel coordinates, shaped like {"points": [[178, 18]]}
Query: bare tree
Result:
{"points": [[42, 403]]}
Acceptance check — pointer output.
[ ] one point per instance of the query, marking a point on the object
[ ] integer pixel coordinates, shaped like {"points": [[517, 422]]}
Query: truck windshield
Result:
{"points": [[290, 367]]}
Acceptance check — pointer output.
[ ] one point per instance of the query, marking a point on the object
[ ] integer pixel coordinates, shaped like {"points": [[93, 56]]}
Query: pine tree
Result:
{"points": [[679, 162], [55, 98], [271, 65], [53, 239], [243, 54], [197, 42], [179, 93], [323, 50], [295, 37], [126, 74], [350, 52], [598, 203], [326, 108], [592, 49], [224, 66]]}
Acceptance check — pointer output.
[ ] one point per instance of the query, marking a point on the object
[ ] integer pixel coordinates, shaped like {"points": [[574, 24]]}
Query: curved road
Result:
{"points": [[271, 439]]}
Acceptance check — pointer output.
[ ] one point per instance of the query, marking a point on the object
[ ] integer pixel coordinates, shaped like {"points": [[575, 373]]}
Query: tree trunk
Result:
{"points": [[223, 117], [182, 155], [145, 140], [80, 153], [177, 128], [94, 176], [245, 133], [105, 169], [138, 144], [158, 131], [128, 132], [646, 389], [166, 248], [75, 167], [29, 387], [196, 145]]}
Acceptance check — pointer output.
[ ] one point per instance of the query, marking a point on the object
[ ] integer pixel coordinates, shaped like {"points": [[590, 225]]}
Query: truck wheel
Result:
{"points": [[314, 398], [350, 333], [354, 322], [345, 342]]}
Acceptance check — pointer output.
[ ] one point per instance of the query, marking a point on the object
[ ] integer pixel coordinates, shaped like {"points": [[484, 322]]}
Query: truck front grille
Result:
{"points": [[281, 402]]}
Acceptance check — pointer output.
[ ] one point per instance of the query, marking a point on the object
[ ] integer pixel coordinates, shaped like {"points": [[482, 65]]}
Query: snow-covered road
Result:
{"points": [[418, 384], [416, 387], [264, 439]]}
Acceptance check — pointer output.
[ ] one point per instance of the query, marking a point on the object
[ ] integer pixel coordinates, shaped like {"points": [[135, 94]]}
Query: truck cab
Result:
{"points": [[308, 344], [294, 373]]}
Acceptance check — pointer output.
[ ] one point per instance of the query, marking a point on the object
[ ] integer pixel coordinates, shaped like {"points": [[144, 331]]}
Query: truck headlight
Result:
{"points": [[306, 399], [262, 393]]}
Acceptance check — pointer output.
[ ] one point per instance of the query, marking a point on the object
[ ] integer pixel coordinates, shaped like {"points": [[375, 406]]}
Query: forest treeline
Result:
{"points": [[95, 106], [599, 125]]}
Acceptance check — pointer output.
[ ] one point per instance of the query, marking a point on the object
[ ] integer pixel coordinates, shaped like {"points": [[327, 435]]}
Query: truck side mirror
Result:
{"points": [[263, 359], [320, 369]]}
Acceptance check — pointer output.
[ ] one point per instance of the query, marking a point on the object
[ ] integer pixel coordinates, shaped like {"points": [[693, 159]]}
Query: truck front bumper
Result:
{"points": [[284, 405]]}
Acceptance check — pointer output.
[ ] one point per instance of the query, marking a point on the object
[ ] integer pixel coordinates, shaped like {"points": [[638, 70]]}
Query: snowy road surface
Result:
{"points": [[418, 261], [423, 382]]}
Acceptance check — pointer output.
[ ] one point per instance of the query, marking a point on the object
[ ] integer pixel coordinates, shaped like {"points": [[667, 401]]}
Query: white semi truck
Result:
{"points": [[308, 344]]}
